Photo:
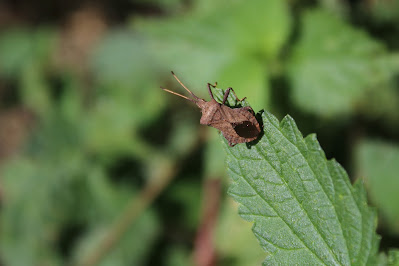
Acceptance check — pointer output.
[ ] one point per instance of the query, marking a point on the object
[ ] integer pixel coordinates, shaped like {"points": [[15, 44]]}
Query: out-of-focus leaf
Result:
{"points": [[305, 210], [109, 127], [106, 202], [334, 64], [249, 79], [214, 156], [260, 28], [385, 11], [206, 46], [188, 195], [183, 135], [71, 102], [124, 71], [56, 188], [15, 50], [24, 232], [55, 139], [21, 47], [39, 200], [42, 194], [383, 103], [378, 164], [122, 60], [36, 90], [106, 199], [129, 96], [131, 250], [391, 259], [234, 240], [178, 256], [340, 8], [24, 54]]}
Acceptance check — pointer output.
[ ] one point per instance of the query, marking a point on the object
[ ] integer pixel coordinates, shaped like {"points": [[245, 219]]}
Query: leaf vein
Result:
{"points": [[265, 200], [318, 181], [294, 195]]}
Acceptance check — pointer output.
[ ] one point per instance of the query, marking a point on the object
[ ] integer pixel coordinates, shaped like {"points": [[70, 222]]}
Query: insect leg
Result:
{"points": [[209, 89], [214, 85], [226, 95]]}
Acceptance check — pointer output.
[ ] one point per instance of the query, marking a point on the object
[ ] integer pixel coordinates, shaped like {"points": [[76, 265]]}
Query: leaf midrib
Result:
{"points": [[322, 187], [274, 209], [305, 211]]}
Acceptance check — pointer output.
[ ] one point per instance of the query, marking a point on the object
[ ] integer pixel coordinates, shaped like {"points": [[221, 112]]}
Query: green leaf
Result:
{"points": [[178, 255], [304, 209], [214, 156], [26, 55], [36, 90], [377, 163], [228, 43], [118, 60], [241, 247], [334, 65], [131, 250], [106, 203], [125, 80], [21, 47], [249, 78], [392, 259], [41, 198], [129, 97]]}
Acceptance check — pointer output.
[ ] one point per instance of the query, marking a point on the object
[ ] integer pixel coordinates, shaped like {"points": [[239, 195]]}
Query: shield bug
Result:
{"points": [[238, 125]]}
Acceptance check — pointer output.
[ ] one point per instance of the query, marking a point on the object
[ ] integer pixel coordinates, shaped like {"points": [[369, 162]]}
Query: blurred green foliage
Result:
{"points": [[103, 132], [334, 66], [377, 163]]}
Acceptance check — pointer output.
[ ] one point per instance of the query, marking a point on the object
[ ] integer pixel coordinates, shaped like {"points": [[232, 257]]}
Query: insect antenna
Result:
{"points": [[181, 83], [175, 93]]}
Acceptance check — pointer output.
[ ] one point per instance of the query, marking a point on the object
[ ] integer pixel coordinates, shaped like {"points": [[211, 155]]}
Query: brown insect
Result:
{"points": [[238, 125]]}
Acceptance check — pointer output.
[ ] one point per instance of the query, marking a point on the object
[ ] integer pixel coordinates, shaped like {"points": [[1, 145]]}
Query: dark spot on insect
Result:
{"points": [[246, 129], [238, 125]]}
